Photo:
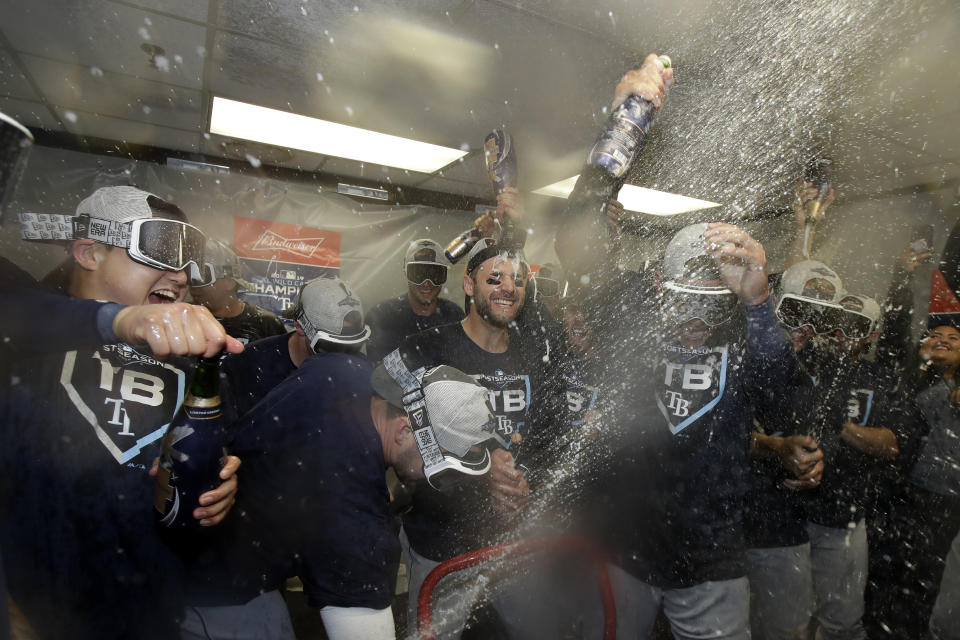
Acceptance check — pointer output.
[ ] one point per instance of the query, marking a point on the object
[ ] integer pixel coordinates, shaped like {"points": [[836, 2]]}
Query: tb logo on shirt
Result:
{"points": [[690, 385], [126, 397]]}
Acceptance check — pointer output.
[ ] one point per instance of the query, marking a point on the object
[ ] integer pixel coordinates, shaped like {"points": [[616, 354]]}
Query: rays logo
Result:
{"points": [[688, 389], [303, 247], [859, 405], [128, 399]]}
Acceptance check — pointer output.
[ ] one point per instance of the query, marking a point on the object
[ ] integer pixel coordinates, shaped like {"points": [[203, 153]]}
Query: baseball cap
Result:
{"points": [[692, 283], [327, 309], [424, 260], [117, 204], [458, 406], [688, 267], [814, 280]]}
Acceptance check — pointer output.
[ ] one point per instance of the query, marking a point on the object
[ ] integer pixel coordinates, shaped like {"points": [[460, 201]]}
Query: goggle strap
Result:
{"points": [[416, 410], [45, 226], [116, 234], [51, 226]]}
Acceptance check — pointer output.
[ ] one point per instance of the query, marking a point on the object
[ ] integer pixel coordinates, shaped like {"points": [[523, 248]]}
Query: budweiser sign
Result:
{"points": [[271, 241], [285, 242]]}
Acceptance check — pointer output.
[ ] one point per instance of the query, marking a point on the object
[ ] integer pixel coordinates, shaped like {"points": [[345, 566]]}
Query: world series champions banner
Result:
{"points": [[278, 258]]}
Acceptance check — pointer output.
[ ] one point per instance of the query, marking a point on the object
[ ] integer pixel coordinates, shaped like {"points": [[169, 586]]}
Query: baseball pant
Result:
{"points": [[945, 620], [263, 618], [781, 592], [708, 610], [838, 558]]}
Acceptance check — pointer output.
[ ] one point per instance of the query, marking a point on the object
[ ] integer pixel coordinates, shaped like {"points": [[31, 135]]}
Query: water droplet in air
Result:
{"points": [[254, 161], [69, 116]]}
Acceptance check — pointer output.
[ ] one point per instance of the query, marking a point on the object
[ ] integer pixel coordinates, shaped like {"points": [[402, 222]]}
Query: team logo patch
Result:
{"points": [[859, 405], [689, 383], [510, 397], [128, 398]]}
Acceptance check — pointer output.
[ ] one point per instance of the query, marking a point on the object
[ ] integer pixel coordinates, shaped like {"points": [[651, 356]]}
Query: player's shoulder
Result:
{"points": [[449, 308]]}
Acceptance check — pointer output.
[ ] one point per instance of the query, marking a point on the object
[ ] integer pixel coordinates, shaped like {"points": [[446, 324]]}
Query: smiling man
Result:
{"points": [[81, 430], [486, 346], [420, 308]]}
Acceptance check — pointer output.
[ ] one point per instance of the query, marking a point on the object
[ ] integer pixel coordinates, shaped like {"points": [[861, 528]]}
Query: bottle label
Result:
{"points": [[624, 133], [501, 160], [202, 413]]}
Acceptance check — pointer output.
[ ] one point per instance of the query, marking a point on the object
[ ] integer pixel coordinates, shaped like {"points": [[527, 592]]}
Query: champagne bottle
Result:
{"points": [[613, 154], [193, 449], [815, 173]]}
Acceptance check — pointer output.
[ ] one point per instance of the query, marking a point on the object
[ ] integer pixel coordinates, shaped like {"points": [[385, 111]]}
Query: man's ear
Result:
{"points": [[87, 253], [467, 285], [400, 429]]}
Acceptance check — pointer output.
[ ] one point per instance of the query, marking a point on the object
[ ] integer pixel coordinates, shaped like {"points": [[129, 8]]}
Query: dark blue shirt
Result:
{"points": [[858, 391], [393, 320], [313, 498], [680, 476], [81, 430], [260, 367], [440, 526]]}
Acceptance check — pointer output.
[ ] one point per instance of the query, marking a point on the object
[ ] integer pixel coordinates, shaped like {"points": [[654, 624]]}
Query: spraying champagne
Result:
{"points": [[813, 208]]}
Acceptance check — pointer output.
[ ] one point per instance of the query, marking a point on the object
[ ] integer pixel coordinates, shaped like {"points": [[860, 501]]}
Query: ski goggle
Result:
{"points": [[160, 243], [420, 272], [823, 317], [547, 287], [682, 303], [209, 274]]}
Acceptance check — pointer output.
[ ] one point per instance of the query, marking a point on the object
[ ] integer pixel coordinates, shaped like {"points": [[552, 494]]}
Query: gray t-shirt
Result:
{"points": [[938, 465]]}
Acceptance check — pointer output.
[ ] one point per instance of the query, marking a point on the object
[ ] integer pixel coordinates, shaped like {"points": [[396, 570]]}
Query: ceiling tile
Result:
{"points": [[30, 114], [12, 82], [189, 9], [110, 37], [93, 124], [471, 168], [455, 186], [73, 87]]}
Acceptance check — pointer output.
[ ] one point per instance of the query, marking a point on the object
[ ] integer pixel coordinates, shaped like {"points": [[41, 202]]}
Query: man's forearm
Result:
{"points": [[878, 442]]}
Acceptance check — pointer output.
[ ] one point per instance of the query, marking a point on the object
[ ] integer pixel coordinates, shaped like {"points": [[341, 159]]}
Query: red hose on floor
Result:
{"points": [[532, 545]]}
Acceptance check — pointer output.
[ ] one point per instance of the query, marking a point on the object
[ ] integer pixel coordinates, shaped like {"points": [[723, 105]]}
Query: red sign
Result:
{"points": [[942, 299], [282, 242]]}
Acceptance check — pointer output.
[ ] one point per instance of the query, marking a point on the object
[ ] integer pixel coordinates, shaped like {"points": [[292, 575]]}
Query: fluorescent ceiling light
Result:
{"points": [[657, 203], [283, 129]]}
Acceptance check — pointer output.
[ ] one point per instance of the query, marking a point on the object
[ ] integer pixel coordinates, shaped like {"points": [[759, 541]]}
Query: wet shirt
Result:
{"points": [[81, 430], [252, 324], [260, 367], [393, 320], [775, 516], [687, 446], [313, 498], [938, 465], [860, 392], [440, 526]]}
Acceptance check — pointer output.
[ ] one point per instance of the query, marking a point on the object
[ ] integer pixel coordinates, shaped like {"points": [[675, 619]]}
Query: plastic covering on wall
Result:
{"points": [[370, 239]]}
